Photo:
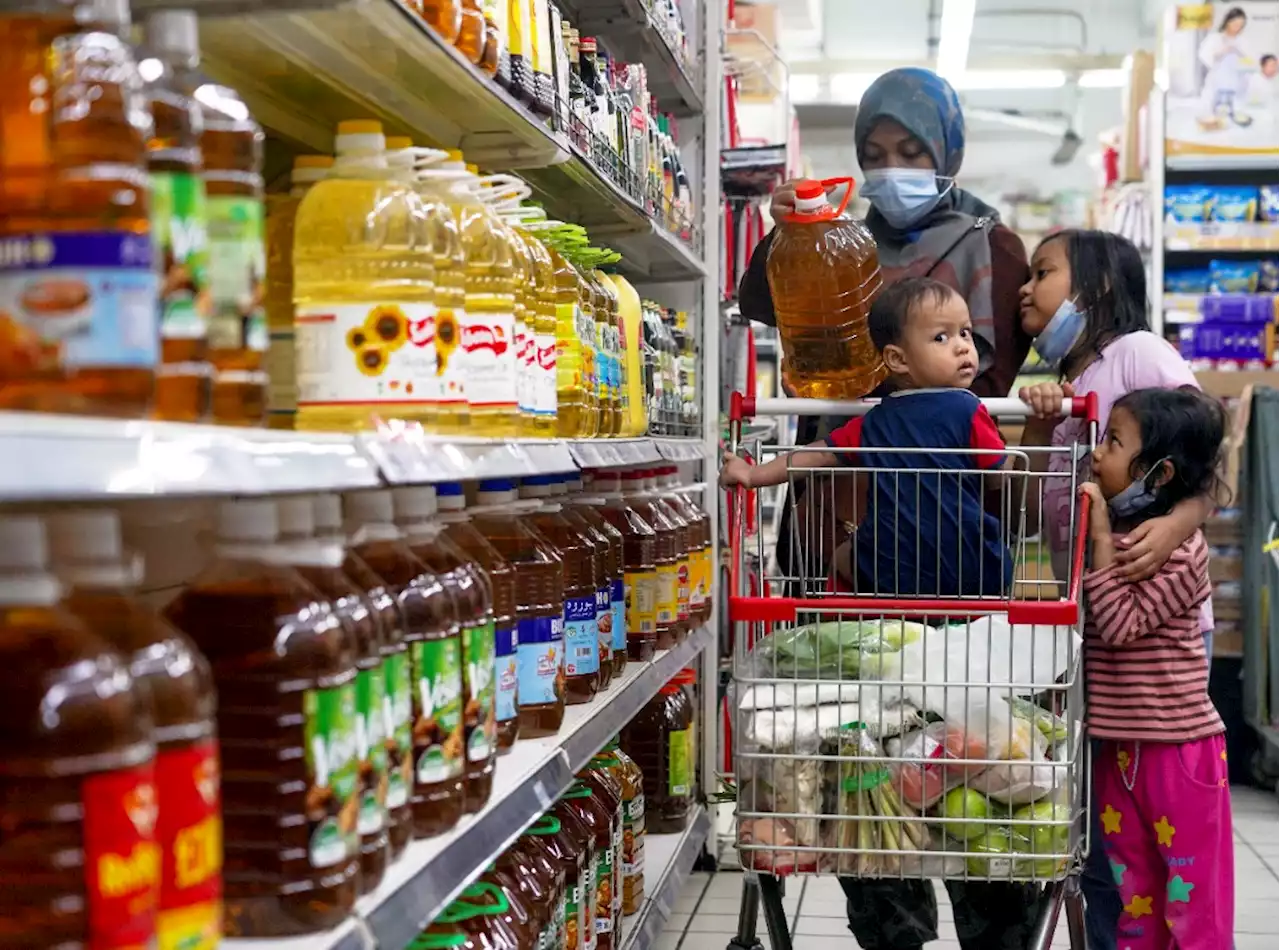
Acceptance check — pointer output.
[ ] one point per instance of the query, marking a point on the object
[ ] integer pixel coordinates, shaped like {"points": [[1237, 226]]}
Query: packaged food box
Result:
{"points": [[1233, 203], [1187, 204], [1234, 277]]}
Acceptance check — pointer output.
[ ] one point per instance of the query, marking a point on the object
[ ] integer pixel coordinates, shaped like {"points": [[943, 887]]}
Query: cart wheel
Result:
{"points": [[734, 945]]}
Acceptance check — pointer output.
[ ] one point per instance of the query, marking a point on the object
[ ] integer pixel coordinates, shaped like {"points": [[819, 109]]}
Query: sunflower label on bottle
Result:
{"points": [[490, 360], [354, 353]]}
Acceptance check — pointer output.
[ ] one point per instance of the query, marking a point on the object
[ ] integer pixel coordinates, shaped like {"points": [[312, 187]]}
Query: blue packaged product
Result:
{"points": [[1238, 308], [1187, 204], [1269, 203], [1188, 281], [1234, 203], [1269, 276], [1234, 277]]}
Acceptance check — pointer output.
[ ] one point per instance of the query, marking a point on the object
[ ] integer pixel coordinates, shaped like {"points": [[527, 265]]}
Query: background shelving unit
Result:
{"points": [[301, 66]]}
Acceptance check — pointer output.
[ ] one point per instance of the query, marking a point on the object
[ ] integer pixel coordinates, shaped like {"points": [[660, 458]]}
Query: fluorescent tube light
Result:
{"points": [[954, 31], [1103, 78]]}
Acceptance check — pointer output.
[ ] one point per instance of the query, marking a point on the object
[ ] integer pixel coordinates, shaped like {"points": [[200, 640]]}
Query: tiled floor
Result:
{"points": [[707, 916]]}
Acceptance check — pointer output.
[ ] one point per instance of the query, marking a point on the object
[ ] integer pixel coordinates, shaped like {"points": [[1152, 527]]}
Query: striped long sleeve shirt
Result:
{"points": [[1146, 671]]}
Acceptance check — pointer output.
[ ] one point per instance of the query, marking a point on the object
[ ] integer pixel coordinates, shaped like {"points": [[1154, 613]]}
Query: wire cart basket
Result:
{"points": [[907, 700]]}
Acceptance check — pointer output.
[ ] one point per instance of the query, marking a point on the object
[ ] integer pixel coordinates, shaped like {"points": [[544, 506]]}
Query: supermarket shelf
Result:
{"points": [[629, 33], [607, 453], [424, 458], [78, 457], [526, 782], [352, 934], [1214, 163], [1222, 236], [668, 861]]}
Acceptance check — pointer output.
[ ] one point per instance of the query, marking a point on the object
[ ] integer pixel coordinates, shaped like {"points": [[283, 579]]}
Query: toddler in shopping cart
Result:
{"points": [[1161, 771], [926, 447]]}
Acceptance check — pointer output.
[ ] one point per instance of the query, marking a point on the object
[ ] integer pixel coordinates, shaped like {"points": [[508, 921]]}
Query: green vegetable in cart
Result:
{"points": [[1051, 726], [1033, 823], [990, 853], [962, 803]]}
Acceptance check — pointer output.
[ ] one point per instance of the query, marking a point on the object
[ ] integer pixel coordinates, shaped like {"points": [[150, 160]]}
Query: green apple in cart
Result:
{"points": [[960, 804], [1036, 824], [990, 853]]}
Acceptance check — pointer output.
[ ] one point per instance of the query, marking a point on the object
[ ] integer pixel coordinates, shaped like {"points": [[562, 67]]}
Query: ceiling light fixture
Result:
{"points": [[849, 87], [954, 30]]}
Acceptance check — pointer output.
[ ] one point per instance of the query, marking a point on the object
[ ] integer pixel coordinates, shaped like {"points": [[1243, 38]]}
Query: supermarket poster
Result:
{"points": [[1222, 64]]}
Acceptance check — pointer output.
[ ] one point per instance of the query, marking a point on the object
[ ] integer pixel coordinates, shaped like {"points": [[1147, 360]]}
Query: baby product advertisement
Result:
{"points": [[1222, 65]]}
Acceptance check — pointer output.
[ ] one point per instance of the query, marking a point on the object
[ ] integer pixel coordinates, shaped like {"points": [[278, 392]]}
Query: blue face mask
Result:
{"points": [[1060, 334], [1136, 497], [903, 195]]}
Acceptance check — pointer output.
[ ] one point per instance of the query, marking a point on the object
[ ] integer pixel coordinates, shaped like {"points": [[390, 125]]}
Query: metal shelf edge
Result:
{"points": [[414, 893], [642, 931]]}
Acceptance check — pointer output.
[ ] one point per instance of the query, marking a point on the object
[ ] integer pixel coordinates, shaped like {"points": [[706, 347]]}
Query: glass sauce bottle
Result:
{"points": [[581, 637], [415, 510], [287, 732], [434, 640], [540, 692], [171, 673], [458, 528], [319, 562], [69, 784]]}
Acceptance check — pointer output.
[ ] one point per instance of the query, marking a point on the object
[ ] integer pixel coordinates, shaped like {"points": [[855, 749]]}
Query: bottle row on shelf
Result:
{"points": [[339, 681], [455, 307]]}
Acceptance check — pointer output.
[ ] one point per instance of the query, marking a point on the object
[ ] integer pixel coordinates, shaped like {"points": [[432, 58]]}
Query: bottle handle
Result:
{"points": [[846, 180]]}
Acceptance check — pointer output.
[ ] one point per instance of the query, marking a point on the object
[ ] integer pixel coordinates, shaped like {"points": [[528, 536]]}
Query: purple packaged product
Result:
{"points": [[1238, 308], [1223, 341]]}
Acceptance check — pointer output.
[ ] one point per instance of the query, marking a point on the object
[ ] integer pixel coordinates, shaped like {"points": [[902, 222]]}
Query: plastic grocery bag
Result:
{"points": [[936, 763], [834, 649]]}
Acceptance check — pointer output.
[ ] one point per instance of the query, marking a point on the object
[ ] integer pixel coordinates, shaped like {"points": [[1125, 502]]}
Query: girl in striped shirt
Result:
{"points": [[1160, 777]]}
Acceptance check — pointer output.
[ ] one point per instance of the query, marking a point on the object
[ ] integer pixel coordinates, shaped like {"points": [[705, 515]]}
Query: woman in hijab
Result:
{"points": [[909, 136]]}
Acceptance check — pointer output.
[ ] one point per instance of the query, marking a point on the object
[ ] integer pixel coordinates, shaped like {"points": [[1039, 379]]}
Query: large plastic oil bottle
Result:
{"points": [[282, 214], [685, 545], [545, 406], [581, 636], [621, 367], [488, 333], [364, 292], [78, 318], [178, 227], [609, 418], [525, 346], [71, 776], [397, 705], [666, 602], [433, 635], [823, 273], [586, 502], [101, 581], [698, 542], [540, 689], [443, 16], [630, 319], [502, 585], [320, 561], [597, 564], [575, 399], [415, 512], [639, 565], [287, 732]]}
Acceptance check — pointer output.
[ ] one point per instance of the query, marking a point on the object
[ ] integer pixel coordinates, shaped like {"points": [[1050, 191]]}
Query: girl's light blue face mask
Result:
{"points": [[1060, 334], [904, 195], [1137, 496]]}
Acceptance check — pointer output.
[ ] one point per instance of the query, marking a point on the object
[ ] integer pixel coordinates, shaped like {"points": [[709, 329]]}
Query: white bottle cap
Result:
{"points": [[23, 545], [297, 517], [85, 534], [248, 519], [175, 33], [574, 483], [535, 487], [327, 510], [495, 491], [606, 483], [558, 486], [368, 507], [414, 504], [450, 496]]}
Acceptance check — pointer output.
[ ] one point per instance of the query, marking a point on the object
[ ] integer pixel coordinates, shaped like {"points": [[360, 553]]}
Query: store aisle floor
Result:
{"points": [[707, 916]]}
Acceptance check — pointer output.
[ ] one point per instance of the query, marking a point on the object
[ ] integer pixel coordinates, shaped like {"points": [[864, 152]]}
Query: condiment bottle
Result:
{"points": [[588, 506], [287, 732], [397, 708], [658, 740], [631, 780], [599, 564], [562, 846], [415, 510], [581, 637], [539, 607], [77, 783], [434, 640], [319, 562], [639, 565], [587, 838], [502, 584], [175, 678], [78, 314], [666, 559], [607, 796]]}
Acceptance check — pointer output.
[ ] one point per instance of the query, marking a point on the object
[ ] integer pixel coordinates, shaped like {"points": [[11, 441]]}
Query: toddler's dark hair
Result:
{"points": [[1186, 427], [893, 306]]}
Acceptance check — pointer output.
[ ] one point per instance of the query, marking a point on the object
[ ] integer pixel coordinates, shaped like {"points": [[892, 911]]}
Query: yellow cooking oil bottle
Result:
{"points": [[525, 307], [629, 321], [365, 324], [487, 337], [617, 342], [282, 214], [575, 399], [590, 355], [545, 405], [607, 410]]}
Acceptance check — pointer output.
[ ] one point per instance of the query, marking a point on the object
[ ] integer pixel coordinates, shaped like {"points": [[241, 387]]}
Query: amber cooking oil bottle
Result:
{"points": [[367, 337], [78, 315]]}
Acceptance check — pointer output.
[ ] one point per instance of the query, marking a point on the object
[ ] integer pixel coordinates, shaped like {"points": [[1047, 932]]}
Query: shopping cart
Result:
{"points": [[917, 721]]}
